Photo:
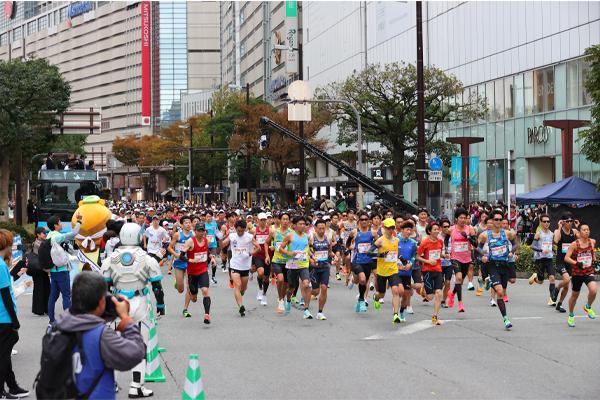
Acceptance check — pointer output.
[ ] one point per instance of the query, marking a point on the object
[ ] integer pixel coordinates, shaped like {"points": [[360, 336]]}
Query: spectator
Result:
{"points": [[105, 349], [90, 165], [9, 323], [31, 212], [50, 162], [41, 280]]}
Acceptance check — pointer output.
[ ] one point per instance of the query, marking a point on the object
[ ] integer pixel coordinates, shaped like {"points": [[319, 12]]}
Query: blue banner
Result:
{"points": [[474, 170], [456, 171]]}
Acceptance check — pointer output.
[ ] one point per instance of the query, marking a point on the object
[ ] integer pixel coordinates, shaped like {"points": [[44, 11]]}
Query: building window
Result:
{"points": [[543, 84], [573, 87], [489, 100], [242, 49], [584, 70], [42, 23], [519, 106], [3, 39], [63, 14], [509, 97], [17, 33], [31, 25], [528, 92]]}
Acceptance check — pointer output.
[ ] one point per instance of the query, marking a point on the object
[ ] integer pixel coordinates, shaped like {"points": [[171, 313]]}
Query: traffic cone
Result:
{"points": [[153, 371], [193, 388]]}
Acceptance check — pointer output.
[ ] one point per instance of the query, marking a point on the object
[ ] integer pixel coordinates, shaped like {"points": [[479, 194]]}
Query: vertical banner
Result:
{"points": [[291, 29], [474, 170], [456, 171], [146, 70]]}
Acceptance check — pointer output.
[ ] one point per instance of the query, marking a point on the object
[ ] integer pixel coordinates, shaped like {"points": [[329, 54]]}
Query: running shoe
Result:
{"points": [[551, 302], [259, 295], [571, 321], [402, 318], [294, 300], [18, 392], [396, 319], [422, 292], [287, 307], [461, 307], [263, 301], [175, 283], [554, 295], [214, 281], [559, 308], [280, 309], [505, 298], [338, 277], [242, 311], [301, 303], [362, 308], [470, 286], [435, 320], [230, 284], [321, 316], [444, 305], [532, 278], [382, 300], [449, 298], [186, 314], [207, 319], [488, 284], [507, 323], [376, 303], [478, 291], [410, 310], [493, 303], [307, 314], [591, 313], [223, 269]]}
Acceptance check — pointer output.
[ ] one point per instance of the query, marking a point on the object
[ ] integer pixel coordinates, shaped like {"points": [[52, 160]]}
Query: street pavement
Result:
{"points": [[364, 356]]}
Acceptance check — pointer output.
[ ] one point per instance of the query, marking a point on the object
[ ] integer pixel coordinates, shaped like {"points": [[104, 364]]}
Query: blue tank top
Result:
{"points": [[179, 246], [94, 366], [211, 229], [362, 244], [499, 247], [321, 248]]}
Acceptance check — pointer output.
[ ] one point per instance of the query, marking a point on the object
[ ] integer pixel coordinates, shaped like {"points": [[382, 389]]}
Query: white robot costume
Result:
{"points": [[129, 269]]}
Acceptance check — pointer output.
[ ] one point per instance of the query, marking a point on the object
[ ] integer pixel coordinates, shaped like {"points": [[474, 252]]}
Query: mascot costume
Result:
{"points": [[95, 215], [129, 270]]}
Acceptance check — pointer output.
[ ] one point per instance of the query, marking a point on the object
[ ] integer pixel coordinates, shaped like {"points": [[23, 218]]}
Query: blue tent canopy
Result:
{"points": [[572, 190]]}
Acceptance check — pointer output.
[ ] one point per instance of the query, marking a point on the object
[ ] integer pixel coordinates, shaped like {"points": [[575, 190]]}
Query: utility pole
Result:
{"points": [[301, 130], [248, 164], [191, 152], [420, 167]]}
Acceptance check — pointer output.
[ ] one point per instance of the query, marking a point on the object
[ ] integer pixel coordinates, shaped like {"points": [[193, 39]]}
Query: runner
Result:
{"points": [[179, 238], [278, 261], [197, 248], [261, 262], [512, 258], [211, 235], [243, 246], [154, 236], [362, 239], [461, 236], [387, 269], [564, 235], [496, 261], [417, 275], [422, 222], [295, 246], [581, 256], [407, 251], [543, 257], [447, 269], [321, 264], [430, 253]]}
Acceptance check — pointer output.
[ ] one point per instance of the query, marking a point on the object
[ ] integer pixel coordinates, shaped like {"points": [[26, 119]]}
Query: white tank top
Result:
{"points": [[241, 251]]}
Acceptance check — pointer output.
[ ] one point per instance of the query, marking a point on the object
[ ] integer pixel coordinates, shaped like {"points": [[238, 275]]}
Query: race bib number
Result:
{"points": [[155, 243], [565, 247], [585, 259], [200, 257], [391, 256], [261, 239], [322, 255], [300, 257], [211, 238], [435, 255], [240, 252], [364, 247], [498, 251], [178, 247], [547, 246], [460, 247]]}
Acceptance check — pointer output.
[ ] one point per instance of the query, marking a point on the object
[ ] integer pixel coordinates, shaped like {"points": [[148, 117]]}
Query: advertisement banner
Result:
{"points": [[291, 29], [473, 170], [146, 70], [456, 171]]}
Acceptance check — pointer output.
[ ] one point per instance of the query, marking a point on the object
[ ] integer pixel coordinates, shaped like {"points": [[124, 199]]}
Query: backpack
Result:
{"points": [[56, 379], [44, 256], [59, 255]]}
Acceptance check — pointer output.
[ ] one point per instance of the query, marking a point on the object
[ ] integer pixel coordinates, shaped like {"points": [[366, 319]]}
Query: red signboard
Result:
{"points": [[146, 74]]}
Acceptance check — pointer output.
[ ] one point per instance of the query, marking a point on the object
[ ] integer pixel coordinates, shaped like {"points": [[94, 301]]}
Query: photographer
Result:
{"points": [[104, 348]]}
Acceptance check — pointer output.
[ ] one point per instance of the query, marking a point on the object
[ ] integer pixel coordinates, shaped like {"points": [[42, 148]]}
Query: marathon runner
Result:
{"points": [[461, 236], [321, 255], [261, 261], [407, 251], [175, 248], [387, 268], [543, 256], [279, 260], [564, 235], [430, 253], [211, 235], [362, 263]]}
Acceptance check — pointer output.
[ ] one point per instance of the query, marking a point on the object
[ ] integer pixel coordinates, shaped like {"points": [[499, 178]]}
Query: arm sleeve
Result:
{"points": [[125, 351]]}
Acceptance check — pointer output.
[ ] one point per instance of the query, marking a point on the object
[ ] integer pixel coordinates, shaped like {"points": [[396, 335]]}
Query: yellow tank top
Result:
{"points": [[387, 266]]}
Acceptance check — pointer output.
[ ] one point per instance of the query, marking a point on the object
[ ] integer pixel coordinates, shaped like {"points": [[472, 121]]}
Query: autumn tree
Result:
{"points": [[590, 137], [386, 98]]}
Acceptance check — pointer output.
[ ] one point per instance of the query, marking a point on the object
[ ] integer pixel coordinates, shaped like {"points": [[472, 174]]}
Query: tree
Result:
{"points": [[590, 138], [32, 92], [386, 99], [282, 152]]}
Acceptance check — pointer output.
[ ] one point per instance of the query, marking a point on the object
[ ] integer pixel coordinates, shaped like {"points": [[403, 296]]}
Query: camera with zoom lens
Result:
{"points": [[110, 311]]}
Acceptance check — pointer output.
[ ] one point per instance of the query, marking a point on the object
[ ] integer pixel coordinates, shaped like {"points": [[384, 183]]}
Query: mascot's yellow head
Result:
{"points": [[93, 224]]}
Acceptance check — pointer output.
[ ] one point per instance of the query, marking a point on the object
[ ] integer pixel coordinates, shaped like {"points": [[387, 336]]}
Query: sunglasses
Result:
{"points": [[497, 219], [364, 219], [546, 221], [446, 226]]}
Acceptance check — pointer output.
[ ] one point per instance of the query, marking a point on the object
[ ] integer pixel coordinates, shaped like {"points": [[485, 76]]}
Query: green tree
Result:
{"points": [[590, 138], [386, 99], [31, 93]]}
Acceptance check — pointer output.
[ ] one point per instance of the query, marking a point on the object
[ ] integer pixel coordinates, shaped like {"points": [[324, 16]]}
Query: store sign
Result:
{"points": [[378, 174], [9, 9], [291, 28], [538, 134], [79, 7], [146, 78]]}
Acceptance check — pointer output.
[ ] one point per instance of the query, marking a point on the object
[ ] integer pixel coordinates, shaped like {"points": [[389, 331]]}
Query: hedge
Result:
{"points": [[26, 237]]}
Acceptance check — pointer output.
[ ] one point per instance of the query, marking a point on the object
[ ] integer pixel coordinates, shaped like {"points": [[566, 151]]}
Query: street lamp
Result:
{"points": [[190, 152]]}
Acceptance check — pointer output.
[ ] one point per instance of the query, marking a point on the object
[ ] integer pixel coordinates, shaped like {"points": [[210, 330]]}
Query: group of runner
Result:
{"points": [[375, 253]]}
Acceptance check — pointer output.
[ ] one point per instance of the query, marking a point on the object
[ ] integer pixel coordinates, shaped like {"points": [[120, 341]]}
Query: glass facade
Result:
{"points": [[173, 59], [517, 105]]}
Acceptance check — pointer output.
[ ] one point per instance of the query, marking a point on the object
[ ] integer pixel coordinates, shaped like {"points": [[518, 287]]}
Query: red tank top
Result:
{"points": [[584, 255], [261, 237], [198, 257]]}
